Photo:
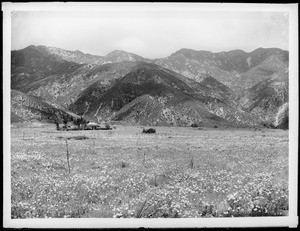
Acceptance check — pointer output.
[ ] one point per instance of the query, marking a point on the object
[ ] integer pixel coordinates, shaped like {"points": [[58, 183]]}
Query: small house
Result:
{"points": [[92, 126]]}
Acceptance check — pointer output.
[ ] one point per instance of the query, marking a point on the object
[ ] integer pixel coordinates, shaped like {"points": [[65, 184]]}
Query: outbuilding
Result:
{"points": [[92, 125]]}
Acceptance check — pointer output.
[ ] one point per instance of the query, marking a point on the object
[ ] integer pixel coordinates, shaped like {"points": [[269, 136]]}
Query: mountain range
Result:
{"points": [[227, 89]]}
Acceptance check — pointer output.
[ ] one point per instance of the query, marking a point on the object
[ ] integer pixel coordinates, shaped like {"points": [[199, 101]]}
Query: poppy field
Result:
{"points": [[122, 173]]}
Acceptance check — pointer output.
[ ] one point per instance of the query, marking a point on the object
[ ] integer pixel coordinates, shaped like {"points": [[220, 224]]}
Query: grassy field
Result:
{"points": [[177, 172]]}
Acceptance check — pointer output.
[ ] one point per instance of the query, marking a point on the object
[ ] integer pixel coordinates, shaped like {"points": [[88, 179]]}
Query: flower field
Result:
{"points": [[177, 172]]}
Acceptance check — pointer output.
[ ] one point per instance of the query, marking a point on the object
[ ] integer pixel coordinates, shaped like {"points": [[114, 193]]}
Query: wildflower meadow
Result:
{"points": [[180, 172]]}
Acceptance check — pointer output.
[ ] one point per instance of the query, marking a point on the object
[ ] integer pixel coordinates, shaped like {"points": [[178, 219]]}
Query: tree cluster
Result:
{"points": [[80, 122]]}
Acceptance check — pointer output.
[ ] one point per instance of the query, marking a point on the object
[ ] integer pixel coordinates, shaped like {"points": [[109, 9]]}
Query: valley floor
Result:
{"points": [[177, 172]]}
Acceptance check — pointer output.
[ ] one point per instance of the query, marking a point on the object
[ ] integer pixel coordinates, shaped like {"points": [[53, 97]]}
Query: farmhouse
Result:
{"points": [[92, 126]]}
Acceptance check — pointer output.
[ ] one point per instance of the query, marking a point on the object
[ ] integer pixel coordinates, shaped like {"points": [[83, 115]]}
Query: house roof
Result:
{"points": [[92, 124]]}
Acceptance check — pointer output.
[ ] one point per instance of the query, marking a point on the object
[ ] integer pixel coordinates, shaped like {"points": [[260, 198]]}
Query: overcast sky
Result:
{"points": [[153, 32]]}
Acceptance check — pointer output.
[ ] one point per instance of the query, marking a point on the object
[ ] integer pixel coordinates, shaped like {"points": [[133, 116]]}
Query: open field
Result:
{"points": [[177, 172]]}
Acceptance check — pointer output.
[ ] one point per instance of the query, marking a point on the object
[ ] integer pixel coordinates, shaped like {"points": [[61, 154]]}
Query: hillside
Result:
{"points": [[59, 76], [265, 98], [264, 64], [33, 64], [28, 108], [171, 99], [66, 89], [236, 69], [149, 110]]}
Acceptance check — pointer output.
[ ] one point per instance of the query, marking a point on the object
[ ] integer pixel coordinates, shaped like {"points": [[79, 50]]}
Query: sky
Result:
{"points": [[152, 32]]}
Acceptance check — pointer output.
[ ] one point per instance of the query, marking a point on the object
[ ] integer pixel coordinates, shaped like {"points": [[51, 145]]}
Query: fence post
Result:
{"points": [[68, 157]]}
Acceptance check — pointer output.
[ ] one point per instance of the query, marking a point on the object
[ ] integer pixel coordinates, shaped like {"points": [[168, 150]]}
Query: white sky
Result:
{"points": [[152, 32]]}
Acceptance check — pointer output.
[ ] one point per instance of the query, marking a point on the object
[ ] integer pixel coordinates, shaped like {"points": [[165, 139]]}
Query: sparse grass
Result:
{"points": [[233, 173], [77, 138], [73, 137]]}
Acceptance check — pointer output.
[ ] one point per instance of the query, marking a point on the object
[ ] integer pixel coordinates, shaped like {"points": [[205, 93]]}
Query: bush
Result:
{"points": [[268, 125], [148, 131], [77, 137], [124, 164]]}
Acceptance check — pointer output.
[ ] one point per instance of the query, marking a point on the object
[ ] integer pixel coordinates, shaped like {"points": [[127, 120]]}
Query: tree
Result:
{"points": [[57, 124], [80, 122], [77, 122], [65, 120]]}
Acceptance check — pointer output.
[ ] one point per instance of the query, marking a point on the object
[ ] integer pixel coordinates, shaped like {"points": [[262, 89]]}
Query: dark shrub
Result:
{"points": [[268, 125], [77, 137], [148, 131], [124, 164]]}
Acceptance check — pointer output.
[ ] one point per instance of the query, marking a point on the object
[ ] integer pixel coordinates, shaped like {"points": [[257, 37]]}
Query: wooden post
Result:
{"points": [[68, 155], [144, 158]]}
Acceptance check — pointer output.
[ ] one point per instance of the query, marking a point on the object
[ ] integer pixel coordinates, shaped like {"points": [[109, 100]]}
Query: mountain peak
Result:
{"points": [[236, 51], [118, 52], [120, 56], [183, 51], [31, 47], [269, 50], [192, 54]]}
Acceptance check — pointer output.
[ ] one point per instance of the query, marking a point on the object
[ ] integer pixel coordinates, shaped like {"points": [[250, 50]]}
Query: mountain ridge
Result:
{"points": [[70, 78]]}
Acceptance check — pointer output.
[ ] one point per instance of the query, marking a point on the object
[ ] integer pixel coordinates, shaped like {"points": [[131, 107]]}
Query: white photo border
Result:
{"points": [[289, 221]]}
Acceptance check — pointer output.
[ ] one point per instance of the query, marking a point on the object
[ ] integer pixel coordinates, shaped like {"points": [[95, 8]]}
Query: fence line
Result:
{"points": [[34, 135], [31, 135]]}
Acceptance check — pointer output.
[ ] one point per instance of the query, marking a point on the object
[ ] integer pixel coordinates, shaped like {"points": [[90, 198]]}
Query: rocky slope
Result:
{"points": [[236, 69], [282, 117], [264, 99], [26, 108], [60, 76], [151, 94], [72, 56], [33, 64], [259, 79]]}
